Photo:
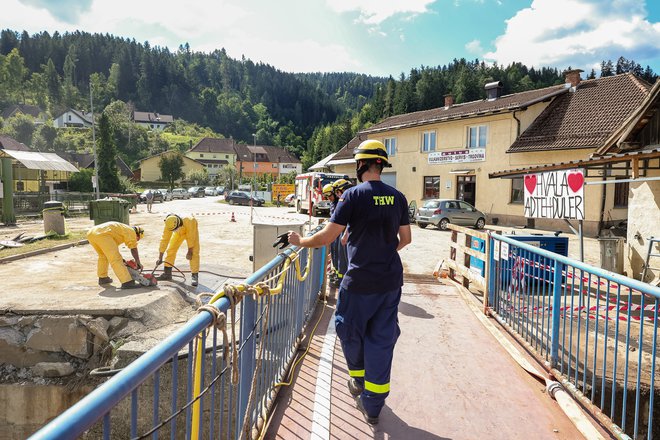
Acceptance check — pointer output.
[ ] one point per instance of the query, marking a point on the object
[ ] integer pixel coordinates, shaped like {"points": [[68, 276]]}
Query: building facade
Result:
{"points": [[149, 170], [450, 152], [214, 153]]}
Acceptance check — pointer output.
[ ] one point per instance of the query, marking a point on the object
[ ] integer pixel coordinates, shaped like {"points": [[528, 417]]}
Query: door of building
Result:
{"points": [[466, 189]]}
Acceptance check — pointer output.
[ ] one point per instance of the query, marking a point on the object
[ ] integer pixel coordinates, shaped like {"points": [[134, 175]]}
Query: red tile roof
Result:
{"points": [[214, 145], [469, 109], [347, 150], [585, 118], [8, 143]]}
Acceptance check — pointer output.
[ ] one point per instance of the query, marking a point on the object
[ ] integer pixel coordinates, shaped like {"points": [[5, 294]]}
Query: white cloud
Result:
{"points": [[269, 35], [579, 33], [377, 11], [474, 46]]}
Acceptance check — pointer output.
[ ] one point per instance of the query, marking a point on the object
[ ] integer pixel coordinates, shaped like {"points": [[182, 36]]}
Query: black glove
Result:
{"points": [[282, 240]]}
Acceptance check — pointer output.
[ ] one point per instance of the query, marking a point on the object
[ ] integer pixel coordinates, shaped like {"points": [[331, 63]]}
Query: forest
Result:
{"points": [[211, 94]]}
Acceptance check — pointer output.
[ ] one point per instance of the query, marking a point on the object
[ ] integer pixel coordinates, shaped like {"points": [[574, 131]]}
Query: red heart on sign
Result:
{"points": [[575, 181], [530, 183]]}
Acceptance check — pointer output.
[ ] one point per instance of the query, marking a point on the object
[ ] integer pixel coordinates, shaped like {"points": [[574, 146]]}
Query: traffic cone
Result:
{"points": [[232, 218]]}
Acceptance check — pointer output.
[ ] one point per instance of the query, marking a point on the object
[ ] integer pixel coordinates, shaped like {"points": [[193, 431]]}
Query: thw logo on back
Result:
{"points": [[383, 200]]}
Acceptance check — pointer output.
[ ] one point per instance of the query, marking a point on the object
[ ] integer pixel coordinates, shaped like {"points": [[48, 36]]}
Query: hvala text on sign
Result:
{"points": [[557, 194]]}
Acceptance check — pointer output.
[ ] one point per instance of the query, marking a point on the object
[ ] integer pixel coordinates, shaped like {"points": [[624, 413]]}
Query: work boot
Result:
{"points": [[195, 279], [354, 387], [105, 280], [166, 275], [130, 285], [370, 420]]}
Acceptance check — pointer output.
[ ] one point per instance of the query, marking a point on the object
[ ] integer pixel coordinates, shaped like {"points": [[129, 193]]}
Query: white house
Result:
{"points": [[73, 118], [152, 121]]}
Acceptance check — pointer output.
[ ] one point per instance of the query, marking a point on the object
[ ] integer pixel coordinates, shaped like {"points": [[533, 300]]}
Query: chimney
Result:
{"points": [[449, 100], [494, 90], [573, 76]]}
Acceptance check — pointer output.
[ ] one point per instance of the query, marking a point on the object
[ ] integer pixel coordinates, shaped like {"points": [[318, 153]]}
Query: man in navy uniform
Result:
{"points": [[366, 315]]}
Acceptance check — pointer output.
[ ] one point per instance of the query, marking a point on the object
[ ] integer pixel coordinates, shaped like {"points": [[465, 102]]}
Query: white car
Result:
{"points": [[210, 191], [180, 193]]}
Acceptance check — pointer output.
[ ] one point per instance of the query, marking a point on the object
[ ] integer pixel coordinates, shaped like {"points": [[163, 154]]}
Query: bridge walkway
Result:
{"points": [[451, 379]]}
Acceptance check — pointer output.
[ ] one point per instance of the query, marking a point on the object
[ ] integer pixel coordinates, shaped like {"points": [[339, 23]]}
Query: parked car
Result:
{"points": [[158, 196], [196, 191], [220, 190], [290, 200], [441, 212], [180, 193], [167, 194], [243, 198], [210, 191]]}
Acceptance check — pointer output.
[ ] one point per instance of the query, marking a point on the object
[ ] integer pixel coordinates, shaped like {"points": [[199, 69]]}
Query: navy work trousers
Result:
{"points": [[368, 328]]}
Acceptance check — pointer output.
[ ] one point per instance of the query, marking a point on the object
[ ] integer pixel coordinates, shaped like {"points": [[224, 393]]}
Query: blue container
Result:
{"points": [[537, 273], [477, 265]]}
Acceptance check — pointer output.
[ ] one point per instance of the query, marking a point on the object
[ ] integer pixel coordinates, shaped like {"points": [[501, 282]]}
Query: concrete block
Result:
{"points": [[53, 369], [60, 333], [117, 323], [99, 328]]}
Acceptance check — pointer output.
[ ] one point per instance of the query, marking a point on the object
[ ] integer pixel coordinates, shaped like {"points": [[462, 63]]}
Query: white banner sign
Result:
{"points": [[458, 156], [557, 194]]}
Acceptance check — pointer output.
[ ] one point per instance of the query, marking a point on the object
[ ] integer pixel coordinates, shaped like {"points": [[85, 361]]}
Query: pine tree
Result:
{"points": [[107, 157]]}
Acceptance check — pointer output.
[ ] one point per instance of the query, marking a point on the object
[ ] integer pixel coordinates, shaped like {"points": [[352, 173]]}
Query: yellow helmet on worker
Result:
{"points": [[328, 190], [139, 232], [173, 222], [374, 150], [341, 185]]}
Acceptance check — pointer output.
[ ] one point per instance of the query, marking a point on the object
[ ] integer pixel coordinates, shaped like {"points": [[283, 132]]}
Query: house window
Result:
{"points": [[226, 156], [274, 165], [151, 125], [431, 187], [517, 191], [428, 141], [621, 194], [390, 146], [69, 117], [477, 136], [201, 155]]}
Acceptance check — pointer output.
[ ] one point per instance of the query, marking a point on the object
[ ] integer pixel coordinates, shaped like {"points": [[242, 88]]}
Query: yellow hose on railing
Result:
{"points": [[197, 387], [243, 289]]}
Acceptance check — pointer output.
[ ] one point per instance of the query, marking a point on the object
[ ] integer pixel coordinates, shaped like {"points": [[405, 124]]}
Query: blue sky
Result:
{"points": [[379, 37]]}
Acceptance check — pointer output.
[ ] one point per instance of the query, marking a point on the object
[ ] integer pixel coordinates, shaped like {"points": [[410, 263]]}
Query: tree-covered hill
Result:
{"points": [[311, 114]]}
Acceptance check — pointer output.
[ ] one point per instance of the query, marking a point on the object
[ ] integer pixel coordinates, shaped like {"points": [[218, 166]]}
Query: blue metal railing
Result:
{"points": [[154, 395], [598, 330]]}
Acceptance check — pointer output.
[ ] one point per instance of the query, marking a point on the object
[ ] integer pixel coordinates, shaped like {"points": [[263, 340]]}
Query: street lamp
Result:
{"points": [[254, 171]]}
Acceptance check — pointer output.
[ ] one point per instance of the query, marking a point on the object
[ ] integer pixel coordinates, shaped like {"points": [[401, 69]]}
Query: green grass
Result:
{"points": [[71, 237]]}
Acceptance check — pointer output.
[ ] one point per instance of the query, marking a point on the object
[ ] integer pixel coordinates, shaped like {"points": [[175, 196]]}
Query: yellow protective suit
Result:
{"points": [[171, 241], [105, 239]]}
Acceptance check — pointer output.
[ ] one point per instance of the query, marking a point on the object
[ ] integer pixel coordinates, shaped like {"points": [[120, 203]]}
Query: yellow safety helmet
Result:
{"points": [[328, 189], [372, 149], [139, 232], [173, 222], [341, 185]]}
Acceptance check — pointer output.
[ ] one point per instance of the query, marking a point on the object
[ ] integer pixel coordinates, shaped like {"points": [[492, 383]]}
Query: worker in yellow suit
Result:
{"points": [[105, 239], [177, 230]]}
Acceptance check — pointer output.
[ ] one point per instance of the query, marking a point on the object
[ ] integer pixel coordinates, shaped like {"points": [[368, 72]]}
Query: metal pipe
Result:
{"points": [[569, 388]]}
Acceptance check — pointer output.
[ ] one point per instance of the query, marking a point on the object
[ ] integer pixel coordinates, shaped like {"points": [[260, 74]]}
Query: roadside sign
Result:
{"points": [[556, 195], [283, 189]]}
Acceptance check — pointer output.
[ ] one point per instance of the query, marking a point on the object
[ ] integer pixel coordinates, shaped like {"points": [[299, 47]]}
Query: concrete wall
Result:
{"points": [[643, 222], [150, 170]]}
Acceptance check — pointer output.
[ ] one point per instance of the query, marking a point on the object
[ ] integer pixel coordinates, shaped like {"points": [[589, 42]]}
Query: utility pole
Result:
{"points": [[95, 179], [254, 173]]}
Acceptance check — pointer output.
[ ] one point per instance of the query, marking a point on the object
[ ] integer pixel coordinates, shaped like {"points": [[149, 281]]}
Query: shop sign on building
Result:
{"points": [[557, 195], [458, 156]]}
